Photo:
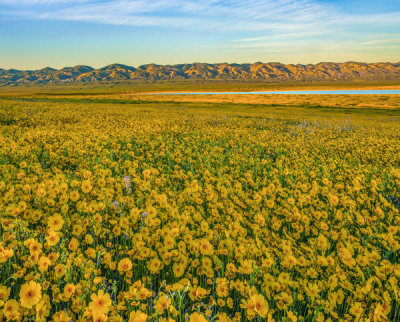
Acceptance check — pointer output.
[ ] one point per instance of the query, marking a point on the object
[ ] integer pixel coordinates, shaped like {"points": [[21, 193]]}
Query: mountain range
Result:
{"points": [[203, 71]]}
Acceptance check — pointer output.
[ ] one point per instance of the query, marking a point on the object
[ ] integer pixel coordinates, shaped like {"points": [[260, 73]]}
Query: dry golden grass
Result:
{"points": [[359, 101]]}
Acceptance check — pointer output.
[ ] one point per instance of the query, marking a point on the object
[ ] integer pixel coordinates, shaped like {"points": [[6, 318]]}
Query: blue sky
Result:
{"points": [[59, 33]]}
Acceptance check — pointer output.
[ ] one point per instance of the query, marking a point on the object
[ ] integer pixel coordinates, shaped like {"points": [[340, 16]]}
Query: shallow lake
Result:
{"points": [[321, 92]]}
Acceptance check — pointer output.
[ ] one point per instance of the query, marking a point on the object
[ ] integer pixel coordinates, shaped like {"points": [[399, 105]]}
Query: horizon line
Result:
{"points": [[192, 63]]}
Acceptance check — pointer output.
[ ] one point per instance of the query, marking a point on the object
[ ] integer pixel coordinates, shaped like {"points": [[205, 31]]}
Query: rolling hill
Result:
{"points": [[202, 71]]}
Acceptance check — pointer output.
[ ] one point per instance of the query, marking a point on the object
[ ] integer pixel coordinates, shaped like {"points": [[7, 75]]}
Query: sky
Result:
{"points": [[59, 33]]}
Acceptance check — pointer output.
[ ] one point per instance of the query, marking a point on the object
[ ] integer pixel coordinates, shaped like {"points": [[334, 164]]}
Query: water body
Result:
{"points": [[322, 92]]}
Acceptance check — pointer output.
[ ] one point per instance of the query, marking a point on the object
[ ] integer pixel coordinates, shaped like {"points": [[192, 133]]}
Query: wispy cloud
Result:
{"points": [[381, 42], [282, 36], [44, 2], [227, 15], [270, 21]]}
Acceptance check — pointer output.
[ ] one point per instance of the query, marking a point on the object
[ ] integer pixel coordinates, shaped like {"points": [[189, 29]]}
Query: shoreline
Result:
{"points": [[170, 87], [281, 88]]}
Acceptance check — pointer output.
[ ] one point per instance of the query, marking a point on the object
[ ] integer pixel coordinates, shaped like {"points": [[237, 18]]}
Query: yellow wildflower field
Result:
{"points": [[176, 211]]}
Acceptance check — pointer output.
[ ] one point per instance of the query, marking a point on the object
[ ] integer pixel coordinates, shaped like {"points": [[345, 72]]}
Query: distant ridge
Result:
{"points": [[202, 71]]}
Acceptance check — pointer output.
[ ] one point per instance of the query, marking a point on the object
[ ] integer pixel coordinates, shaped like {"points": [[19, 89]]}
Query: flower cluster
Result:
{"points": [[147, 213]]}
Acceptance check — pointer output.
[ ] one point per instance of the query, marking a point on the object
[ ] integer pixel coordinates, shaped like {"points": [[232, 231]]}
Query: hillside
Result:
{"points": [[202, 71]]}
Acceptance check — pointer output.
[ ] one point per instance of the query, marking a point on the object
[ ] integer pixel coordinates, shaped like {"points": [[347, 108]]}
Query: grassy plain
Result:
{"points": [[124, 206], [130, 87]]}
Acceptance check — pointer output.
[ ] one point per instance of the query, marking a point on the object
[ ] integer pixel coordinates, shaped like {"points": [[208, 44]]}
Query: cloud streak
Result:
{"points": [[272, 22], [235, 15], [41, 2], [391, 41], [227, 15]]}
